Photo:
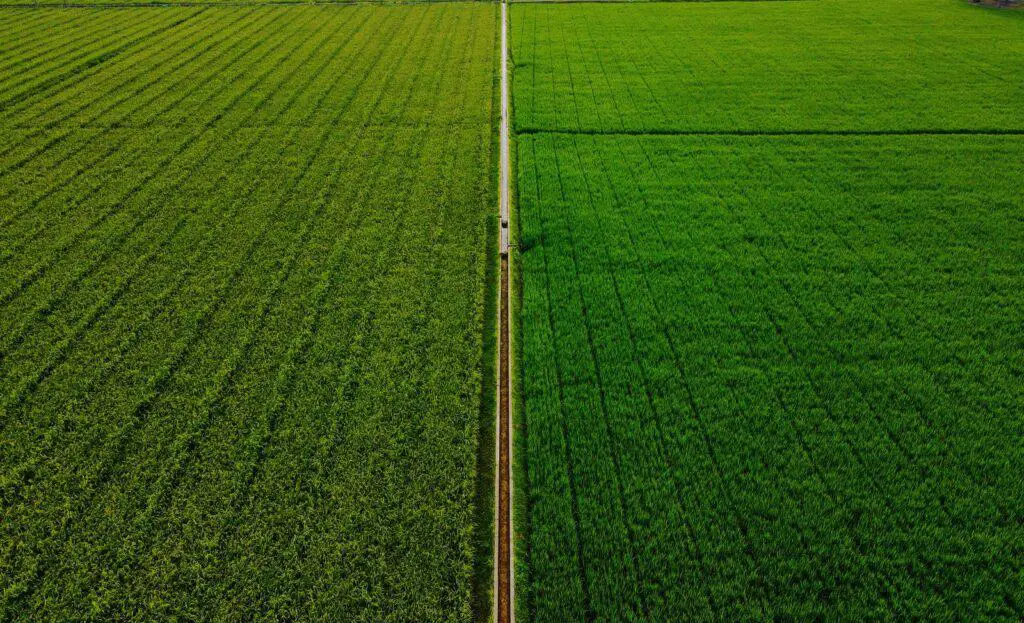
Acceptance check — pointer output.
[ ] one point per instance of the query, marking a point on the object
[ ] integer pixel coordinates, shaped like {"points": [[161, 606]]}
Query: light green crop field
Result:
{"points": [[242, 285], [773, 363]]}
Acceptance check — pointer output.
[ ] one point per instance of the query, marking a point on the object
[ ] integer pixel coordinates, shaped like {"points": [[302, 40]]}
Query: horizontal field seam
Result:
{"points": [[648, 1], [243, 3], [247, 3], [458, 125], [796, 132]]}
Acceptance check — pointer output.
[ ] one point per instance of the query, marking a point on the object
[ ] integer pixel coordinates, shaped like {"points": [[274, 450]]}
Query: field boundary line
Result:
{"points": [[265, 3], [504, 573], [278, 3], [668, 132], [641, 2]]}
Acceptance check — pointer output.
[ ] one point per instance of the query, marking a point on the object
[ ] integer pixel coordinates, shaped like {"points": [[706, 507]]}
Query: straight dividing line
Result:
{"points": [[504, 572], [764, 133], [161, 4], [646, 1]]}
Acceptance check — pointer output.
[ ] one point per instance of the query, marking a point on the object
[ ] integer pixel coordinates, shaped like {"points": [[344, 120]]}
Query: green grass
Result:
{"points": [[242, 266], [770, 377]]}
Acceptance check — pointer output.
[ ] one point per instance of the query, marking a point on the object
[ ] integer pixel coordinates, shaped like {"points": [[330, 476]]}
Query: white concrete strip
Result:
{"points": [[505, 173], [504, 552]]}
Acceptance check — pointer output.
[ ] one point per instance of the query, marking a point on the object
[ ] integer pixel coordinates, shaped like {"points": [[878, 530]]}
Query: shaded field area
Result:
{"points": [[763, 379], [242, 282], [769, 377], [767, 67]]}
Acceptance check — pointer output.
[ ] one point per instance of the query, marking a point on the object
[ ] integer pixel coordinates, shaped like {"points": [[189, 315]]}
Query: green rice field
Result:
{"points": [[826, 66], [768, 357], [773, 367], [242, 283]]}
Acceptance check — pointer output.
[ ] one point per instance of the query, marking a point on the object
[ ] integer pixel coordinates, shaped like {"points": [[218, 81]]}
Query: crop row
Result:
{"points": [[771, 377], [242, 316]]}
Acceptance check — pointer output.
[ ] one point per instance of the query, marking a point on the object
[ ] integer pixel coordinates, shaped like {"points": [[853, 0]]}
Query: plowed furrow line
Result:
{"points": [[384, 264], [19, 477], [246, 151], [113, 451], [77, 28], [21, 29], [148, 66], [255, 445], [165, 296], [31, 380], [184, 445]]}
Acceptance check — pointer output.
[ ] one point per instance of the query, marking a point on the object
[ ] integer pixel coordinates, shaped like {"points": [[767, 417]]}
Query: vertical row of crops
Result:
{"points": [[771, 355], [243, 288]]}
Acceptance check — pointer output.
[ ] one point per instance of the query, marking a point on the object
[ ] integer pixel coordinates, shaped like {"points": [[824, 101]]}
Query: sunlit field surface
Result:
{"points": [[242, 281]]}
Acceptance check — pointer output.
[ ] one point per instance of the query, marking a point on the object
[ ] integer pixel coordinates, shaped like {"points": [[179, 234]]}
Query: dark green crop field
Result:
{"points": [[765, 378], [242, 280], [773, 362], [833, 65]]}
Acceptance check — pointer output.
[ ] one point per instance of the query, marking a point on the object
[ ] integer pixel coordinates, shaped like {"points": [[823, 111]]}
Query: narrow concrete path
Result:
{"points": [[504, 607]]}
